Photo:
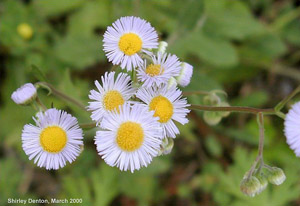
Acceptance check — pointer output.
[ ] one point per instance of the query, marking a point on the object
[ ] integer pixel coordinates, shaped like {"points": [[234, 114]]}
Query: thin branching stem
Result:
{"points": [[62, 95], [259, 157], [233, 109], [89, 125]]}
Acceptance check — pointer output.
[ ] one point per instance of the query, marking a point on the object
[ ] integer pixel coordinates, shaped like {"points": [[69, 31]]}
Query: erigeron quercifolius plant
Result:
{"points": [[135, 111]]}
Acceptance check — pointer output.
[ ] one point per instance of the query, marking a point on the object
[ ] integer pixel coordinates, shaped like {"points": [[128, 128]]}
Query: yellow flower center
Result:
{"points": [[154, 70], [130, 44], [112, 100], [130, 136], [25, 31], [53, 139], [163, 108]]}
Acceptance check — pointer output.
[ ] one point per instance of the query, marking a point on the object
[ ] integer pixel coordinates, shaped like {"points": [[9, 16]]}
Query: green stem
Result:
{"points": [[40, 104], [259, 158], [234, 109], [88, 125], [283, 102], [62, 95]]}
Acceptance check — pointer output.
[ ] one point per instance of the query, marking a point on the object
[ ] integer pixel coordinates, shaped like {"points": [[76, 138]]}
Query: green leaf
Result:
{"points": [[230, 19], [93, 14], [214, 51], [262, 49], [105, 184], [38, 73], [51, 8], [79, 51]]}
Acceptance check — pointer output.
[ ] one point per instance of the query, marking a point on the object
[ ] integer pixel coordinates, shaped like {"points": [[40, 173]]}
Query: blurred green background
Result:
{"points": [[250, 49]]}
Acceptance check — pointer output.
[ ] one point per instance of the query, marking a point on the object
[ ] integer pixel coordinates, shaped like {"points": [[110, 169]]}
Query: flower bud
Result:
{"points": [[25, 31], [162, 46], [25, 94], [212, 99], [250, 186], [166, 146], [212, 118], [172, 82], [185, 75], [263, 181], [276, 176]]}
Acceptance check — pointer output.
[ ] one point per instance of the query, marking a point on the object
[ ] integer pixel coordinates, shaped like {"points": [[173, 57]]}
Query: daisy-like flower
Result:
{"points": [[185, 75], [163, 67], [126, 38], [292, 128], [110, 95], [168, 105], [54, 140], [25, 94], [130, 139]]}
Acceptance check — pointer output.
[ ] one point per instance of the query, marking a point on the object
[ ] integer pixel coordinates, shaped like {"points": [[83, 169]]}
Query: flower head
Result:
{"points": [[110, 95], [126, 38], [250, 186], [25, 31], [25, 94], [130, 138], [276, 176], [163, 67], [185, 75], [54, 140], [168, 105], [292, 129]]}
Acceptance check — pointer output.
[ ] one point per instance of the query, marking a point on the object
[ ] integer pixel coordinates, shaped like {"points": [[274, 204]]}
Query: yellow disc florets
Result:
{"points": [[130, 136], [154, 70], [162, 107], [112, 100], [53, 139], [130, 44]]}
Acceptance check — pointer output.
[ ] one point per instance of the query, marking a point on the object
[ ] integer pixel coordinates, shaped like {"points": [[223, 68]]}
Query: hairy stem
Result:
{"points": [[40, 104], [62, 95], [259, 158], [89, 125], [283, 102], [233, 109]]}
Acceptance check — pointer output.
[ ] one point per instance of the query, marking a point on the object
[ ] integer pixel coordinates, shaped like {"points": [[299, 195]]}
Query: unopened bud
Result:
{"points": [[172, 82], [212, 99], [276, 176], [212, 118], [263, 181], [166, 146], [250, 186], [25, 94], [162, 46], [185, 75], [25, 31]]}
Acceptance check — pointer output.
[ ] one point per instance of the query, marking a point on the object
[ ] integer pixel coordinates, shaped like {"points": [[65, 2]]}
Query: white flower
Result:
{"points": [[130, 139], [126, 38], [160, 70], [168, 106], [110, 95], [54, 140], [292, 128], [185, 75], [25, 94]]}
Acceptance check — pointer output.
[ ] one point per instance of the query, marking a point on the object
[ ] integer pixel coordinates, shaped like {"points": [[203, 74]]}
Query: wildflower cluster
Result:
{"points": [[136, 108], [136, 113]]}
